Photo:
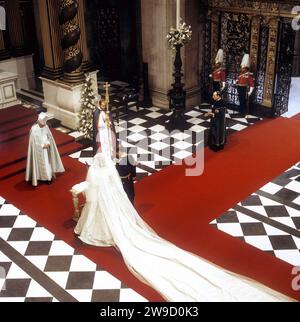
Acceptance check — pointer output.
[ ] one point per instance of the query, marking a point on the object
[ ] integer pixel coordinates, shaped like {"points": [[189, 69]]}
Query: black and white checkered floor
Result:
{"points": [[270, 218], [143, 132], [40, 267]]}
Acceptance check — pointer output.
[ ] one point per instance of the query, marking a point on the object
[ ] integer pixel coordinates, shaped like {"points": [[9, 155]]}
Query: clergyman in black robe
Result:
{"points": [[217, 131]]}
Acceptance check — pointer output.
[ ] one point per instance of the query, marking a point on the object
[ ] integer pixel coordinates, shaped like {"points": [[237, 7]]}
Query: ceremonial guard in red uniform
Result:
{"points": [[245, 84], [219, 75]]}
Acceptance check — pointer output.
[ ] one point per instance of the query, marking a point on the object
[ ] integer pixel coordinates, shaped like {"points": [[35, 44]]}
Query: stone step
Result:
{"points": [[30, 98]]}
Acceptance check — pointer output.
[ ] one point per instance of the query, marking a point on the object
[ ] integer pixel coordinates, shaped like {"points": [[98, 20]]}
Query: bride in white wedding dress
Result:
{"points": [[109, 219]]}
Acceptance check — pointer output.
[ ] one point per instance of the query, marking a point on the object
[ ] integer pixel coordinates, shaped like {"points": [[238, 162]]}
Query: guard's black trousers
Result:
{"points": [[242, 91]]}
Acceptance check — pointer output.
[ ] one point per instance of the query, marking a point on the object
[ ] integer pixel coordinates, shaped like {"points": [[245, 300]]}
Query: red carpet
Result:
{"points": [[252, 158], [18, 124], [296, 117], [19, 167], [55, 213], [15, 126], [14, 136], [15, 133], [14, 113], [16, 149]]}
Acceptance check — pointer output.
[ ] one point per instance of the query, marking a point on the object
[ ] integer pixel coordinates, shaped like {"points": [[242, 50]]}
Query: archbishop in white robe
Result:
{"points": [[43, 159]]}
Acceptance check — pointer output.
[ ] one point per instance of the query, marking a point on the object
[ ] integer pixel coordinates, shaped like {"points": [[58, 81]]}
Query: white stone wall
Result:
{"points": [[23, 68], [64, 101]]}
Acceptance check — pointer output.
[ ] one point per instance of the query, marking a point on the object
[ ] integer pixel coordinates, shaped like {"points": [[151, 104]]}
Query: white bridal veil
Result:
{"points": [[109, 219]]}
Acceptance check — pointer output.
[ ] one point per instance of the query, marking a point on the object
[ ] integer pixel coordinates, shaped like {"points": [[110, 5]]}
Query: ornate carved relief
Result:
{"points": [[71, 36], [237, 18], [271, 62], [264, 7], [261, 64], [206, 67], [254, 43], [235, 42]]}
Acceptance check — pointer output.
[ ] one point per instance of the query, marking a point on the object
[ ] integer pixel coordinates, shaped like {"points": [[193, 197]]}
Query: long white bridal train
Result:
{"points": [[109, 219]]}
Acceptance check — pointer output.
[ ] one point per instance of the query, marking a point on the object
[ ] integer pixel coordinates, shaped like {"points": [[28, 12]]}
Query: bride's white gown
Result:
{"points": [[109, 219]]}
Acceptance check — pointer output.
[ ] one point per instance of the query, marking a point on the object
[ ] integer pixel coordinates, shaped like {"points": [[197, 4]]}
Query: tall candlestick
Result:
{"points": [[177, 13]]}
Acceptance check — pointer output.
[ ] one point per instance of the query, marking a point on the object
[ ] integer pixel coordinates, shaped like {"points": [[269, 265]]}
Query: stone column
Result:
{"points": [[4, 53], [158, 16], [51, 37], [15, 29], [191, 54], [62, 94], [68, 19], [86, 66]]}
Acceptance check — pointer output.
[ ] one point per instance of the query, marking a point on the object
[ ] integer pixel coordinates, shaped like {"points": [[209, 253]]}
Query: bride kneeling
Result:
{"points": [[109, 219]]}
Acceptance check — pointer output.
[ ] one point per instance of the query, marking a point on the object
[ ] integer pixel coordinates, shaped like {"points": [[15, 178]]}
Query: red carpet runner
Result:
{"points": [[15, 125], [296, 117], [13, 114], [180, 208]]}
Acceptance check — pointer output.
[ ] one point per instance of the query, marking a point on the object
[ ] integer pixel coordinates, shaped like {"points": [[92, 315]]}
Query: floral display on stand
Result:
{"points": [[179, 36], [88, 106]]}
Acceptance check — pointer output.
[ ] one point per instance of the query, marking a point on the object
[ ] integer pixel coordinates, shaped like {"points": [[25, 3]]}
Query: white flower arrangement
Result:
{"points": [[180, 36]]}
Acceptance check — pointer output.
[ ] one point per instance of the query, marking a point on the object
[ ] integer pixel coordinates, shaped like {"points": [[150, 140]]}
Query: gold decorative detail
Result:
{"points": [[235, 38], [235, 13], [72, 52], [76, 191], [275, 8], [254, 43], [106, 100], [66, 3], [76, 205], [72, 73], [69, 27], [271, 62]]}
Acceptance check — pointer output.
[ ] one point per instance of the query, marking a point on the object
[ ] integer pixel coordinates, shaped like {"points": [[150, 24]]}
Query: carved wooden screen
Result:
{"points": [[206, 67], [260, 74], [108, 38], [235, 41], [113, 29], [284, 67]]}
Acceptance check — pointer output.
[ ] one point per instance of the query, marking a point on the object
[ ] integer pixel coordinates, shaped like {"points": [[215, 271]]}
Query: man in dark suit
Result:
{"points": [[126, 167]]}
